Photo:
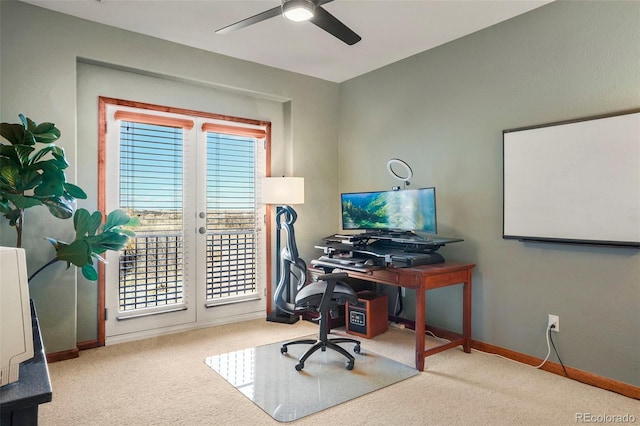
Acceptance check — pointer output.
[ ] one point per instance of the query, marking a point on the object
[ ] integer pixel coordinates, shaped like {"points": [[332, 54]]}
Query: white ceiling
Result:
{"points": [[391, 30]]}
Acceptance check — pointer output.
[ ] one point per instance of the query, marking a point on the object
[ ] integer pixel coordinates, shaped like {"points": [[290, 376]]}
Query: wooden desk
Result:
{"points": [[428, 277]]}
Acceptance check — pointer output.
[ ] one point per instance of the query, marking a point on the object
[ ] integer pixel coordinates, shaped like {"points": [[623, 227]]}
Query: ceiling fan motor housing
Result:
{"points": [[298, 10]]}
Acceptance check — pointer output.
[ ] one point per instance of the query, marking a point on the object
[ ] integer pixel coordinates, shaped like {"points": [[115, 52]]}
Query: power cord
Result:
{"points": [[550, 340], [548, 334], [436, 337], [556, 351]]}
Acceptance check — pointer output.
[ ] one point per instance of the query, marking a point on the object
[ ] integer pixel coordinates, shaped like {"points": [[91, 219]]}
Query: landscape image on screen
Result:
{"points": [[406, 210]]}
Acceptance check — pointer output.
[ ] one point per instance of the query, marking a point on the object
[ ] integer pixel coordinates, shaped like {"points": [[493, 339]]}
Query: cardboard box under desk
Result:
{"points": [[369, 317]]}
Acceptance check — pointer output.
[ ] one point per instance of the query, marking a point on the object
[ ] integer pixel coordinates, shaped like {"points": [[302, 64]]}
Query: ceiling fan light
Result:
{"points": [[298, 10]]}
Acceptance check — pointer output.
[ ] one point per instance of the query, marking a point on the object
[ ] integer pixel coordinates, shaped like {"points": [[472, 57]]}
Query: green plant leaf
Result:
{"points": [[23, 152], [75, 191], [77, 253], [46, 133], [29, 180], [52, 184], [134, 222], [116, 218], [8, 154], [90, 272], [41, 153], [4, 207], [58, 162], [129, 233], [21, 201], [107, 241], [26, 122], [96, 220], [81, 222], [59, 159], [58, 208], [10, 175], [14, 133], [86, 224]]}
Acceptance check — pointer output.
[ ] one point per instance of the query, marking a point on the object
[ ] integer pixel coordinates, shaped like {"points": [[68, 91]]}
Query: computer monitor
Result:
{"points": [[401, 210], [16, 332]]}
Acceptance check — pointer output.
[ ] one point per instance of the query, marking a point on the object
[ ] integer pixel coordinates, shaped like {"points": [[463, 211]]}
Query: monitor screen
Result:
{"points": [[404, 210]]}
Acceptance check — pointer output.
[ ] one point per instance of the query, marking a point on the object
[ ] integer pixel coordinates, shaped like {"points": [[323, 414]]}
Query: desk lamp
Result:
{"points": [[283, 191]]}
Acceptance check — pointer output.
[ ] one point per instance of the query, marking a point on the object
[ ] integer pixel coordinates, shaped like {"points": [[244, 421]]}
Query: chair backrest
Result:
{"points": [[293, 270]]}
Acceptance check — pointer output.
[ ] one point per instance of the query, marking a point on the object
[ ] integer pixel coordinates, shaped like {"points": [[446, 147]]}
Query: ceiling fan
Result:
{"points": [[301, 10]]}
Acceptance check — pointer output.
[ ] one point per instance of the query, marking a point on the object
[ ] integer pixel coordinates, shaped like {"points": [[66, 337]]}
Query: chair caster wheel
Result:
{"points": [[283, 350], [349, 365], [299, 366], [356, 349]]}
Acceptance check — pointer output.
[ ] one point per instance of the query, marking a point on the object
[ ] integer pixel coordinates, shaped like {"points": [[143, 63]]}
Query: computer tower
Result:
{"points": [[369, 317]]}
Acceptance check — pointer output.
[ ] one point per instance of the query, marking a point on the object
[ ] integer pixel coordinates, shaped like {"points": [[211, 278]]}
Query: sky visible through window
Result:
{"points": [[152, 167]]}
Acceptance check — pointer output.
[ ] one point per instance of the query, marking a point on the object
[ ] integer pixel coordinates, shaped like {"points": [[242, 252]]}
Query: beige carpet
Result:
{"points": [[164, 381]]}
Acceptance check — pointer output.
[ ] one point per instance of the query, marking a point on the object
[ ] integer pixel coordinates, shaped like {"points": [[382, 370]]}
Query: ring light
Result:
{"points": [[406, 174]]}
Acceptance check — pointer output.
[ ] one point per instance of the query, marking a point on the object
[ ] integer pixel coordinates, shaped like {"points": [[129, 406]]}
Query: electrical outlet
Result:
{"points": [[554, 321]]}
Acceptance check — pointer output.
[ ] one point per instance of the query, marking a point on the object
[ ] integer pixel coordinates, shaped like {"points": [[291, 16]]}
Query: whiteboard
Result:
{"points": [[576, 182]]}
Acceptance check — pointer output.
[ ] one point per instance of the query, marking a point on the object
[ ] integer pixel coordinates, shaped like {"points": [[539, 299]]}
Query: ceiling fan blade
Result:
{"points": [[332, 25], [271, 13]]}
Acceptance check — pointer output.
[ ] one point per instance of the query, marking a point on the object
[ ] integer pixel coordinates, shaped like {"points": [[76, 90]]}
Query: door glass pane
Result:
{"points": [[151, 266], [231, 205]]}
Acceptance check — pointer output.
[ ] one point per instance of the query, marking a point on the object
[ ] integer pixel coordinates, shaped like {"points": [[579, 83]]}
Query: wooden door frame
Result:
{"points": [[103, 102]]}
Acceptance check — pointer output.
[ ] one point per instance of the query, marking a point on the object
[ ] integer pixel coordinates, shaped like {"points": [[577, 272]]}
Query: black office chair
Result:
{"points": [[322, 296]]}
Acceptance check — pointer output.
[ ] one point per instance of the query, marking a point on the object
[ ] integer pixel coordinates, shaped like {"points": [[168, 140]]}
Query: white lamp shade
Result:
{"points": [[283, 190]]}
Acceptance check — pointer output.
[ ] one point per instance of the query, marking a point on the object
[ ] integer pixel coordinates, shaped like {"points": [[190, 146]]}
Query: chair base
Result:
{"points": [[323, 345]]}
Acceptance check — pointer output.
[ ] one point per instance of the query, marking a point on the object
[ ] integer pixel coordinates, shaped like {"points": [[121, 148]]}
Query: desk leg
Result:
{"points": [[466, 315], [420, 326]]}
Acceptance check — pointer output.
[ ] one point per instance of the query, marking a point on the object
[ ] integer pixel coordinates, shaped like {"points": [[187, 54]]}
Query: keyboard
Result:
{"points": [[343, 260], [350, 263]]}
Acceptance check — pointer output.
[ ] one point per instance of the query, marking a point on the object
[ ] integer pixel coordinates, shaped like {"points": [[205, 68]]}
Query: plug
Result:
{"points": [[554, 323]]}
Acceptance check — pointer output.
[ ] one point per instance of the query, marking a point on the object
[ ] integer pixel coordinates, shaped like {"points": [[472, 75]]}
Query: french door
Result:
{"points": [[198, 257]]}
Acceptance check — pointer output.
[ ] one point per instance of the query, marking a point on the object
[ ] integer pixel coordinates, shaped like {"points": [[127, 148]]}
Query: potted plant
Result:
{"points": [[32, 173]]}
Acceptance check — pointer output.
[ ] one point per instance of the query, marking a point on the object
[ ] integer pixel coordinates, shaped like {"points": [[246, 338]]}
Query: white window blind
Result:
{"points": [[151, 168], [231, 214]]}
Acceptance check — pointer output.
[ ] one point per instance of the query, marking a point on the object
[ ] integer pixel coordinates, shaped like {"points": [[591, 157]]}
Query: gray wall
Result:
{"points": [[444, 110], [41, 51]]}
